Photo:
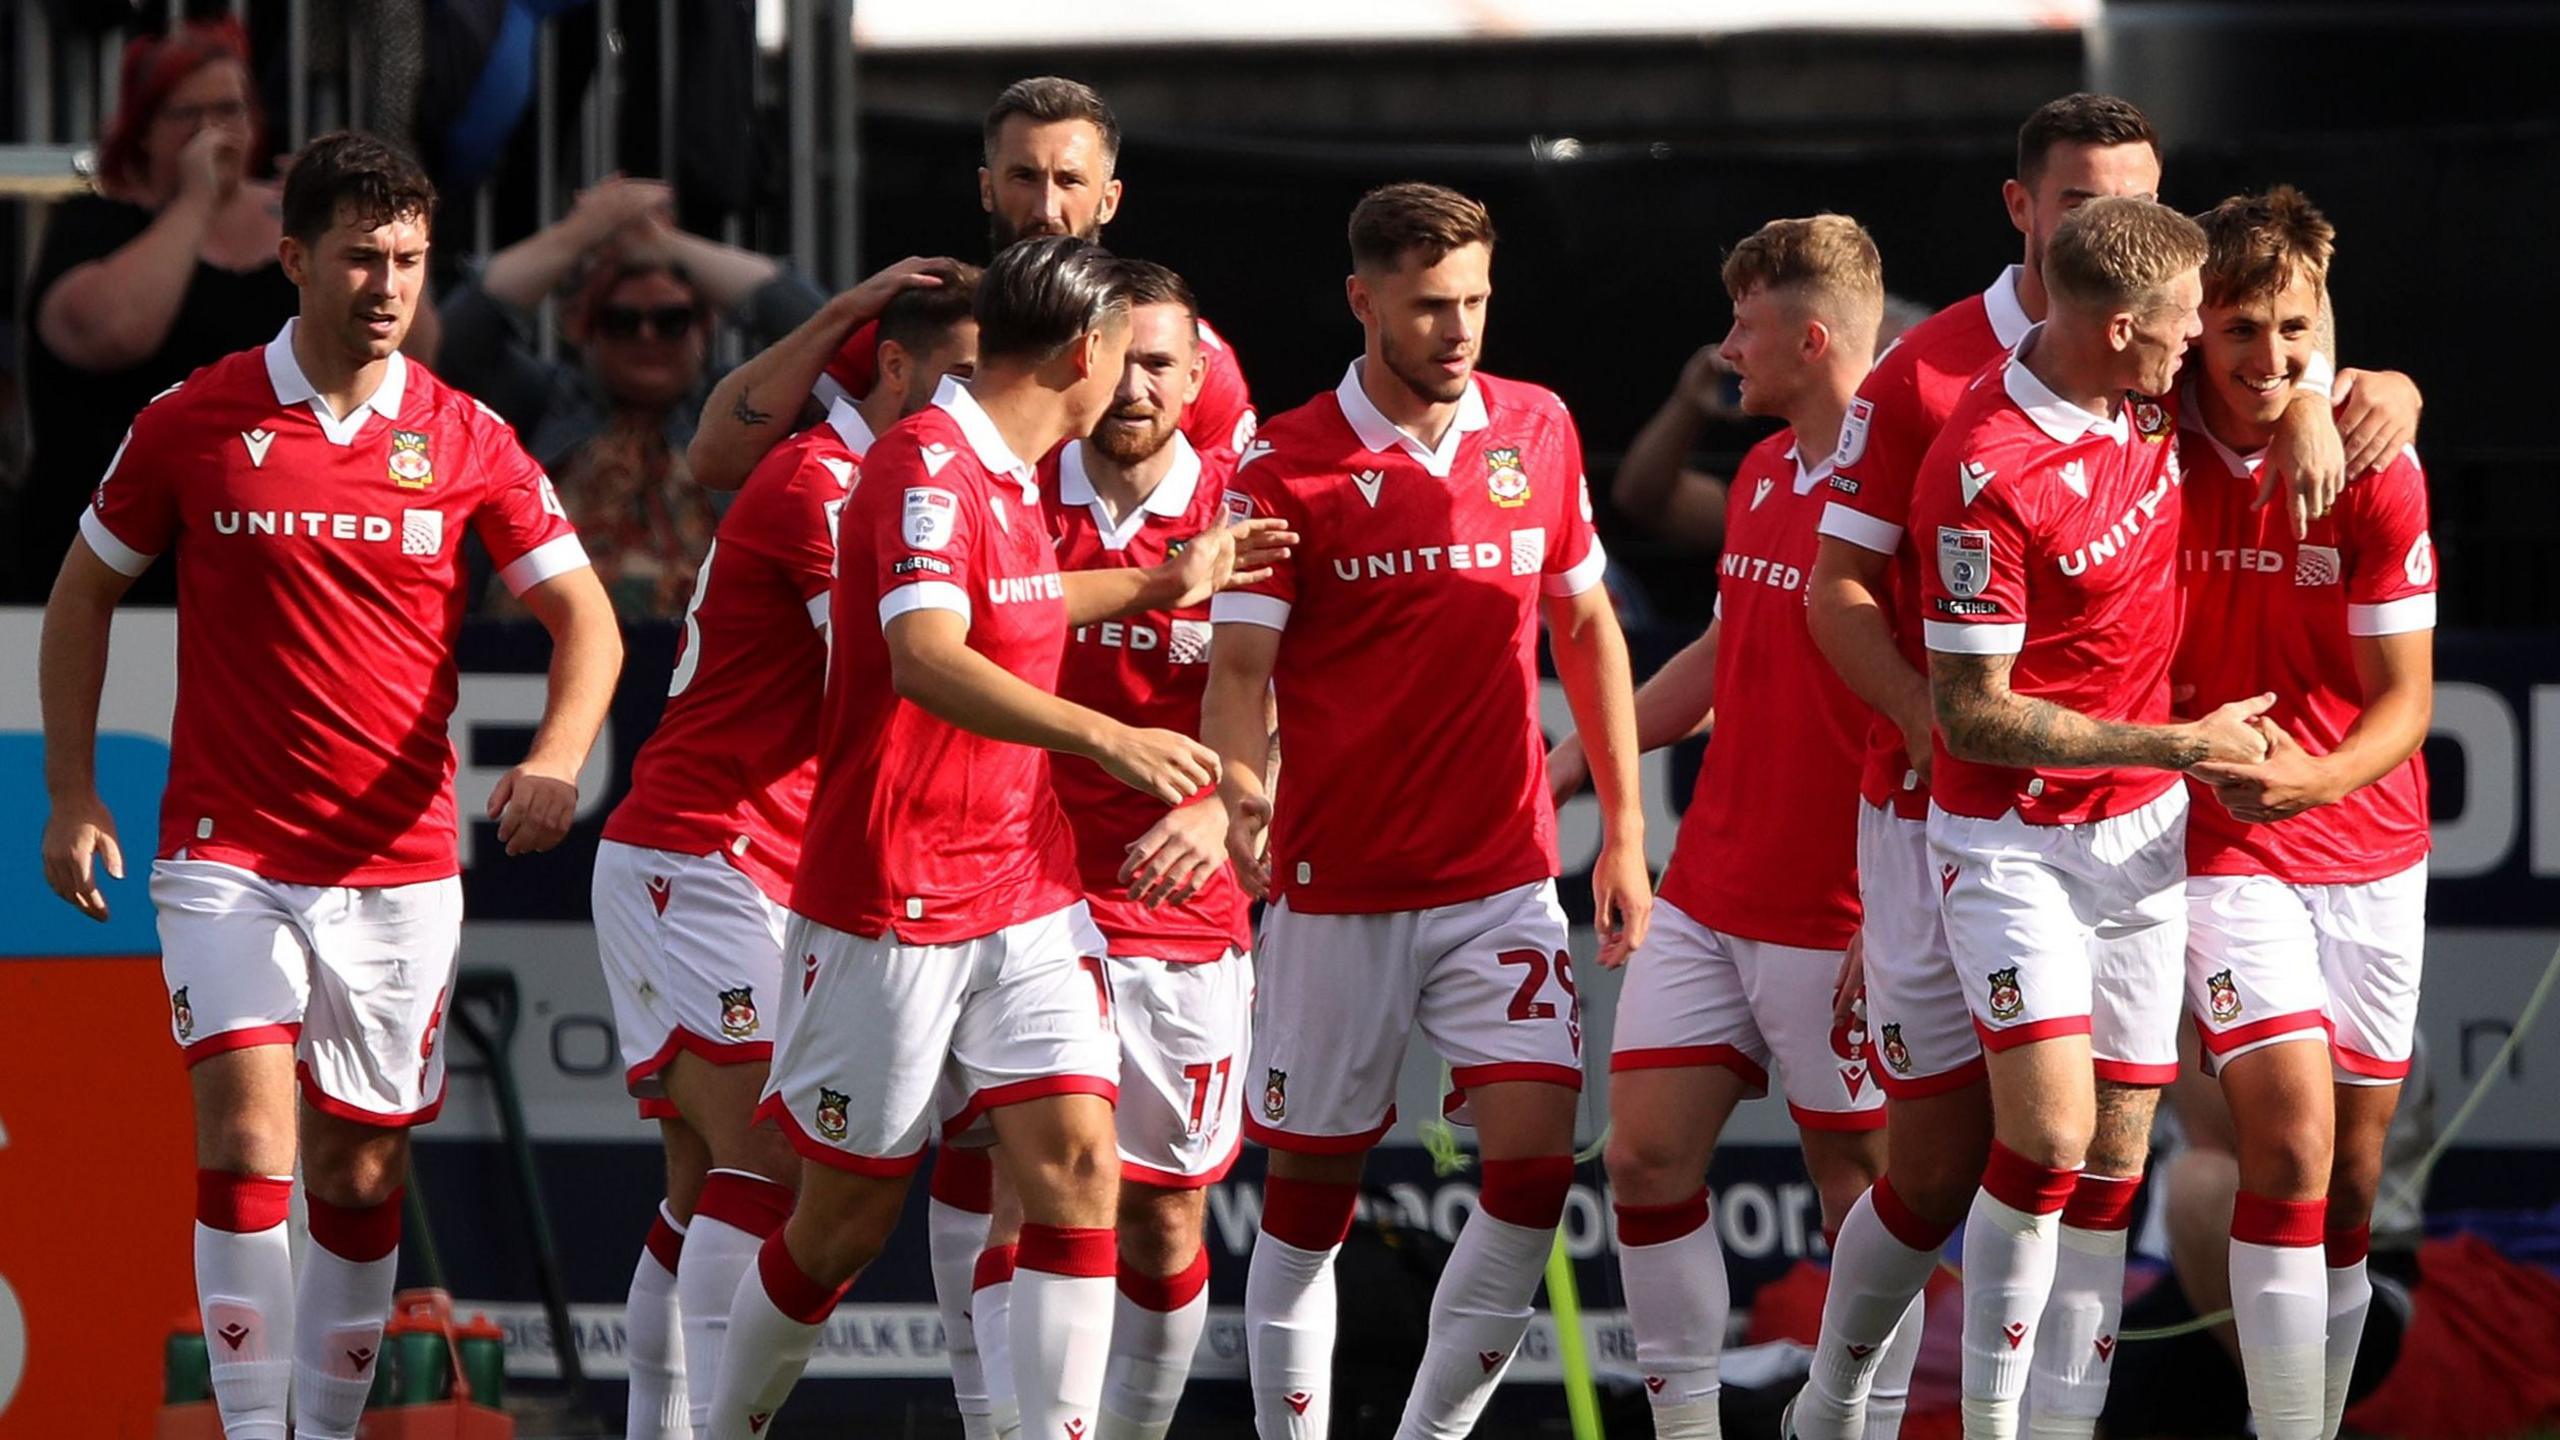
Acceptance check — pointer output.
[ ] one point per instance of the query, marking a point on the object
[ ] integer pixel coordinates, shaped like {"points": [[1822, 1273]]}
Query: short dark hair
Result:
{"points": [[1040, 294], [2080, 119], [1393, 221], [2256, 245], [1154, 284], [348, 168], [1048, 99], [920, 317]]}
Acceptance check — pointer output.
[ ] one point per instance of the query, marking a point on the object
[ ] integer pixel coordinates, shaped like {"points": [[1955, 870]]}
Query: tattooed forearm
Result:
{"points": [[744, 411], [1985, 722]]}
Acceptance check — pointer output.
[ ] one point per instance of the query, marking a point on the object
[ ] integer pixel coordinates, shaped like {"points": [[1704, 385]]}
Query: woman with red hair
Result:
{"points": [[169, 266]]}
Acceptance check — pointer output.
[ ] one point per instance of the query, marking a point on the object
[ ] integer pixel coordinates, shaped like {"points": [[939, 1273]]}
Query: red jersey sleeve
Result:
{"points": [[1975, 547], [519, 518], [1255, 492], [1221, 422], [790, 518], [1575, 562], [1874, 469], [857, 361], [133, 518], [926, 540], [2391, 570]]}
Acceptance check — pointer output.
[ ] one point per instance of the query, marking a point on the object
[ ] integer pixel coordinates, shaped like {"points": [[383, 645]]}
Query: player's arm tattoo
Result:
{"points": [[743, 409], [1985, 721]]}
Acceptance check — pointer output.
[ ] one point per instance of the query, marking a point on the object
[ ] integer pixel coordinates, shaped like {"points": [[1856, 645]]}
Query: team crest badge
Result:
{"points": [[2150, 421], [831, 1117], [1896, 1054], [2222, 997], [2007, 1001], [1504, 480], [182, 1014], [738, 1012], [1275, 1095], [410, 467]]}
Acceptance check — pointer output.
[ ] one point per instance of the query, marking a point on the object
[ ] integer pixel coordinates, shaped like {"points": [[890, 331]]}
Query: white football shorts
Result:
{"points": [[692, 953]]}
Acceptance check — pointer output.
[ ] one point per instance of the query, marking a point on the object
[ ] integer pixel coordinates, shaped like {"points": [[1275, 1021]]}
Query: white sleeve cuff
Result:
{"points": [[1860, 529], [924, 595], [120, 557], [1952, 638], [2319, 376], [818, 610], [552, 557], [1243, 607], [1581, 577], [2393, 617]]}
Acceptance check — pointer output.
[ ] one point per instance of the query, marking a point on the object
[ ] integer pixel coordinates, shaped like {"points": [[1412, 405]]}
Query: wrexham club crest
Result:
{"points": [[1275, 1095], [831, 1116], [1896, 1054], [2007, 1002], [2150, 420], [1504, 480], [738, 1012], [410, 467], [2221, 996], [182, 1014]]}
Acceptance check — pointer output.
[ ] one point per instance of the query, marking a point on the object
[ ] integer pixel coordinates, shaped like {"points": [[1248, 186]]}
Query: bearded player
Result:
{"points": [[1413, 855], [2305, 937], [696, 863], [314, 492], [1048, 166], [1864, 609]]}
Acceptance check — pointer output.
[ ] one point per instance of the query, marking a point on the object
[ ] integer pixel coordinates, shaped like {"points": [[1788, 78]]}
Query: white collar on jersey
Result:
{"points": [[2009, 322], [849, 425], [952, 397], [1170, 499], [1807, 479], [2191, 418], [295, 388], [2055, 416], [1379, 433]]}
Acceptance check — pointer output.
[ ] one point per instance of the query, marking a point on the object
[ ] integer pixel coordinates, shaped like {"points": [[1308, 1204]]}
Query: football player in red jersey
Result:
{"points": [[1412, 864], [314, 492], [696, 863], [1864, 608], [953, 982], [1760, 900], [2304, 939], [1049, 163]]}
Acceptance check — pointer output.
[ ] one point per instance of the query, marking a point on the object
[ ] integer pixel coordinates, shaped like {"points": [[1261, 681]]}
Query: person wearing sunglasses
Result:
{"points": [[611, 418]]}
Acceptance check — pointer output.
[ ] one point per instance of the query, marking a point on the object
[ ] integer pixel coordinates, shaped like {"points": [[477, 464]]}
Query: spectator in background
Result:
{"points": [[170, 266], [611, 426], [1656, 486]]}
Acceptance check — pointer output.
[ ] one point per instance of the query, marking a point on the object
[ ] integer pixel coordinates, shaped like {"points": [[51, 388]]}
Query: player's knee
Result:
{"points": [[245, 1143], [2355, 1184], [1651, 1169], [2287, 1161], [1159, 1229]]}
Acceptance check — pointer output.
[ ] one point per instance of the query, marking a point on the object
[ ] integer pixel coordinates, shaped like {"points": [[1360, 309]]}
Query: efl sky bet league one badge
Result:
{"points": [[1275, 1095], [1504, 480], [410, 467], [831, 1113], [2007, 1001], [2222, 997], [738, 1012], [1964, 561]]}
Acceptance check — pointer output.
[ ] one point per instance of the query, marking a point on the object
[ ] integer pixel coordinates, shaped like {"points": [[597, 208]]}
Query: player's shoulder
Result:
{"points": [[231, 382], [815, 463], [1987, 448], [1770, 454], [922, 445], [1213, 342], [1507, 399], [1307, 440]]}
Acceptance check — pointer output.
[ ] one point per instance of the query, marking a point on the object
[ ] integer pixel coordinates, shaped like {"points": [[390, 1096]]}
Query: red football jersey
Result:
{"points": [[919, 825], [1148, 670], [2055, 536], [731, 765], [1768, 847], [1901, 406], [1219, 424], [2266, 612], [1415, 769], [321, 587]]}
